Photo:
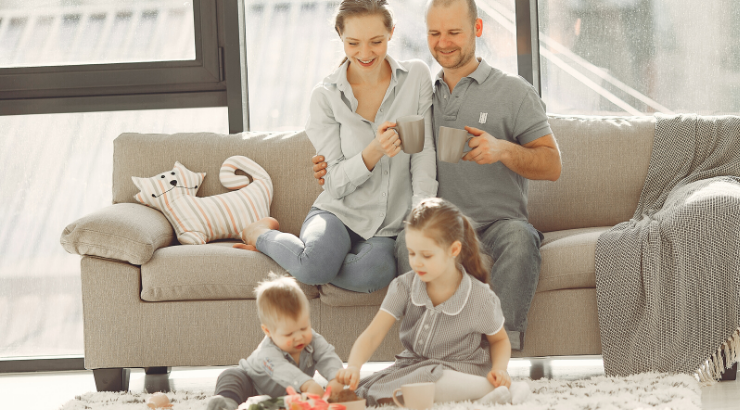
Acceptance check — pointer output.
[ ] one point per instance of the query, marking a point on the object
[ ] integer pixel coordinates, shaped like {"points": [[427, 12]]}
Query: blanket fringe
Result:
{"points": [[711, 370]]}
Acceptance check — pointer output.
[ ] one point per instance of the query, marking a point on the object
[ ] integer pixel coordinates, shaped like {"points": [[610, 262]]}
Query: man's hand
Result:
{"points": [[312, 387], [499, 378], [349, 377], [486, 149], [319, 168], [222, 403]]}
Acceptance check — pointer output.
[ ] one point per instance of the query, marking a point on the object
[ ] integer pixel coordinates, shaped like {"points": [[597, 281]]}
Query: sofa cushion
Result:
{"points": [[568, 259], [285, 156], [605, 162], [207, 272], [125, 232], [334, 296]]}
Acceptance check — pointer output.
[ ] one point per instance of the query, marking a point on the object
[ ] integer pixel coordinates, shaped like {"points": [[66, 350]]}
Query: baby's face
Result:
{"points": [[292, 336]]}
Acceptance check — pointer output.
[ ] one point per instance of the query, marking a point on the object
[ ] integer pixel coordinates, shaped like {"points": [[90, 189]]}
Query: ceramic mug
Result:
{"points": [[410, 131], [451, 143], [416, 396]]}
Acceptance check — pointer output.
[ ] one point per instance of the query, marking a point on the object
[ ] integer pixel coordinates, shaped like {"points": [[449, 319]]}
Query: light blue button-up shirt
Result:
{"points": [[372, 203]]}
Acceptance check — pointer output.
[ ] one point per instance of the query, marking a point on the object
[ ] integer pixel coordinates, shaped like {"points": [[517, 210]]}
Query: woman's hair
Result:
{"points": [[278, 297], [443, 222], [359, 8]]}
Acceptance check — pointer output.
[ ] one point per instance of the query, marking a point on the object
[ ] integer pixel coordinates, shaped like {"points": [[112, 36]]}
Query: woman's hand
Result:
{"points": [[388, 141], [499, 378], [349, 377]]}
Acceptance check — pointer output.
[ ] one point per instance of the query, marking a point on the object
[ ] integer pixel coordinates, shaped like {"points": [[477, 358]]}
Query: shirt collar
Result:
{"points": [[308, 349], [338, 78], [479, 75], [451, 306]]}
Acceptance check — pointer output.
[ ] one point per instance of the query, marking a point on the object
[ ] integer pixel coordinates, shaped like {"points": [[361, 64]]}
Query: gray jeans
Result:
{"points": [[327, 251], [514, 245]]}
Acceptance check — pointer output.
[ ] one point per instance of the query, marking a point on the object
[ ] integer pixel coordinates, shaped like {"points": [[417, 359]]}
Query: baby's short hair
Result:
{"points": [[278, 297]]}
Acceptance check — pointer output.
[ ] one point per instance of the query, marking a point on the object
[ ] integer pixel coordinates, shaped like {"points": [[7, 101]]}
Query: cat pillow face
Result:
{"points": [[199, 220], [155, 191]]}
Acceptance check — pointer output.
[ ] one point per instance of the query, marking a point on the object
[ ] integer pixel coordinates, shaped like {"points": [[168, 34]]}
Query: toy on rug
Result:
{"points": [[304, 401], [159, 401], [200, 220]]}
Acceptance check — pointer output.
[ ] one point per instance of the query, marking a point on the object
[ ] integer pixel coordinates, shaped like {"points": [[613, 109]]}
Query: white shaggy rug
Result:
{"points": [[643, 391]]}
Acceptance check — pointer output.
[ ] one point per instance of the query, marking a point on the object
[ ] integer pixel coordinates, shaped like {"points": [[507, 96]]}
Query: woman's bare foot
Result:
{"points": [[252, 231], [245, 247]]}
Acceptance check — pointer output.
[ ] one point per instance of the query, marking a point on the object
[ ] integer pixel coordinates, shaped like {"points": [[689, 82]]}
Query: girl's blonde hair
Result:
{"points": [[279, 297], [358, 8], [443, 222]]}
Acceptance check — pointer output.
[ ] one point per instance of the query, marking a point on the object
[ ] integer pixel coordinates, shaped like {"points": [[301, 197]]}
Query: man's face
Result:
{"points": [[451, 34]]}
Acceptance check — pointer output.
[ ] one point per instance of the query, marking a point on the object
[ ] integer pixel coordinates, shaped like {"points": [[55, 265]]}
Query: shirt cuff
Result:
{"points": [[356, 171], [297, 381]]}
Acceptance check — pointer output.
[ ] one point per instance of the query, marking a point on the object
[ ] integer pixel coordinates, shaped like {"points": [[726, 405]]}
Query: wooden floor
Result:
{"points": [[49, 391]]}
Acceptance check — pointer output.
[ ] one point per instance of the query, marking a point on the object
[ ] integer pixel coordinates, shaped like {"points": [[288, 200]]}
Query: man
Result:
{"points": [[512, 143]]}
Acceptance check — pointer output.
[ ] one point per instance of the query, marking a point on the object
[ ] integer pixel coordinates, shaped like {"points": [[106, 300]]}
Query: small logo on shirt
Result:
{"points": [[483, 117], [267, 363]]}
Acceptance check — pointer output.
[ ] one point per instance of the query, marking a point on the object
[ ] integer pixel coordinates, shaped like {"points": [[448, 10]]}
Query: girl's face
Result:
{"points": [[365, 41], [428, 259]]}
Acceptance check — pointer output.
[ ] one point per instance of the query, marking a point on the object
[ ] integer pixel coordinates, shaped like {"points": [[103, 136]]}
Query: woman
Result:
{"points": [[348, 237]]}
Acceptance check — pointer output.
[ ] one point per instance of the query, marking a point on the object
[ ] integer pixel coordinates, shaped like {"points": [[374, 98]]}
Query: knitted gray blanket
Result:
{"points": [[668, 280]]}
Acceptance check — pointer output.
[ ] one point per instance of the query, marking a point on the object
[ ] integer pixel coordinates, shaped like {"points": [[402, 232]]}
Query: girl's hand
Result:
{"points": [[499, 378], [349, 377], [387, 139]]}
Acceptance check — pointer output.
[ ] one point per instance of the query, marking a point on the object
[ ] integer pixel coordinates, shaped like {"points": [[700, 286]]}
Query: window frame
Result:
{"points": [[206, 81]]}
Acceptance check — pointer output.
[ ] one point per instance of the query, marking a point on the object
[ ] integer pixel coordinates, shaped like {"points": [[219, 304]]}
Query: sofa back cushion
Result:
{"points": [[605, 162], [285, 156]]}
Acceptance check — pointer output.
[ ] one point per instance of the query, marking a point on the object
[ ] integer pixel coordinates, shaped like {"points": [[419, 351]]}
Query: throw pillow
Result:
{"points": [[200, 220]]}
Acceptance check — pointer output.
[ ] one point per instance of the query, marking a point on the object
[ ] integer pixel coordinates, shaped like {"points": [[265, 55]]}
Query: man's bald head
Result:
{"points": [[472, 7]]}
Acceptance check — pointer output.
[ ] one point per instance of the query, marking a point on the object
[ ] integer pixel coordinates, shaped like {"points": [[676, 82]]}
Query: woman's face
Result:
{"points": [[365, 41]]}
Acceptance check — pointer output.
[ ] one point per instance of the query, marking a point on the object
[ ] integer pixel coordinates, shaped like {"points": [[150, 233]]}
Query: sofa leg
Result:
{"points": [[157, 370], [540, 368], [114, 379], [731, 373]]}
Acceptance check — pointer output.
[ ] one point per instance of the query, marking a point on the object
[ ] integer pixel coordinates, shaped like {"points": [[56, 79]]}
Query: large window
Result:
{"points": [[640, 56], [74, 74], [57, 168], [95, 32]]}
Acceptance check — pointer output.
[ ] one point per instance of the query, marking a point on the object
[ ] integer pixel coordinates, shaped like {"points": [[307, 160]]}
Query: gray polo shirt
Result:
{"points": [[372, 203], [273, 370], [507, 107]]}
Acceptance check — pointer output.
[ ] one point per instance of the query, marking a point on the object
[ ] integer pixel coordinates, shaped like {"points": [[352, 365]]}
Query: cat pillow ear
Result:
{"points": [[179, 181], [187, 179]]}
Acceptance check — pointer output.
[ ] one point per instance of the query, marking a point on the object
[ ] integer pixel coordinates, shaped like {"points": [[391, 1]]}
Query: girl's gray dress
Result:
{"points": [[448, 336]]}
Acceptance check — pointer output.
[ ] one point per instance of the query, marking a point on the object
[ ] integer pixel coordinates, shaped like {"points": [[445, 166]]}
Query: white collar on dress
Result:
{"points": [[451, 306]]}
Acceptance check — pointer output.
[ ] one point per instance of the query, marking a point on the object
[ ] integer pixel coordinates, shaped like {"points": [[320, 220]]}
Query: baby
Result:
{"points": [[288, 355]]}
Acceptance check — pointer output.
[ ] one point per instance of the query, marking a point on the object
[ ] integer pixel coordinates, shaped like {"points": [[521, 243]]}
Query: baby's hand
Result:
{"points": [[349, 377], [499, 378], [336, 387]]}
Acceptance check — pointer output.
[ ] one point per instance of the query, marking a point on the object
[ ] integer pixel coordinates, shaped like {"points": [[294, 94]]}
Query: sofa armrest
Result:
{"points": [[126, 232]]}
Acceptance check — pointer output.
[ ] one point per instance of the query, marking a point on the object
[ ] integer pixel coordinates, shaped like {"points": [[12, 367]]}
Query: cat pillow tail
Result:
{"points": [[199, 220]]}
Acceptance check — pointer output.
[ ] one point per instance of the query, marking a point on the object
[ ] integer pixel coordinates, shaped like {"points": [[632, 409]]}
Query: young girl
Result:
{"points": [[452, 326]]}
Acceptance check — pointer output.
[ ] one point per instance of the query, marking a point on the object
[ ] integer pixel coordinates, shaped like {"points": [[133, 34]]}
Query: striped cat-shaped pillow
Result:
{"points": [[200, 220]]}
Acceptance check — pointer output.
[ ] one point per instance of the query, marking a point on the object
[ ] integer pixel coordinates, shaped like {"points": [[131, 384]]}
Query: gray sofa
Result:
{"points": [[151, 303]]}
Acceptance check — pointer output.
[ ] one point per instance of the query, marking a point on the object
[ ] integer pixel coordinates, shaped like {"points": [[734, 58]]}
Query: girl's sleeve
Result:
{"points": [[343, 175], [424, 163], [396, 299], [491, 315]]}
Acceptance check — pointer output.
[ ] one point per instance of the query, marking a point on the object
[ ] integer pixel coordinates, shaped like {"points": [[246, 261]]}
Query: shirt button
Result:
{"points": [[382, 214], [426, 326], [385, 172], [445, 96], [383, 194]]}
